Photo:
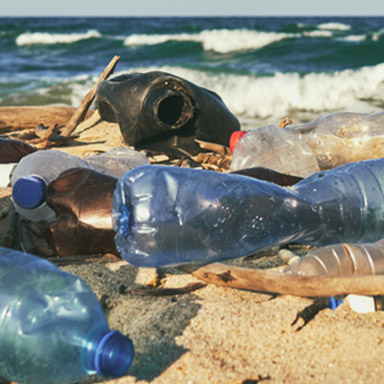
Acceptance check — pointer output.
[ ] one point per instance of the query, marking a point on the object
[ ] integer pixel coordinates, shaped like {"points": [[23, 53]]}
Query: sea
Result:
{"points": [[264, 68]]}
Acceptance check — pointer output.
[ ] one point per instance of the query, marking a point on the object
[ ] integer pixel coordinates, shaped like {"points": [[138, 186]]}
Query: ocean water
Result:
{"points": [[263, 68]]}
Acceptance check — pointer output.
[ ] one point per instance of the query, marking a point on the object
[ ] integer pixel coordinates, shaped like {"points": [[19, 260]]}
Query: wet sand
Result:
{"points": [[221, 335]]}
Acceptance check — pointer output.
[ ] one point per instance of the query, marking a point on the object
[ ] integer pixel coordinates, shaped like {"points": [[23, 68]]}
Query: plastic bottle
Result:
{"points": [[275, 148], [168, 215], [52, 327], [11, 151], [341, 259], [325, 143], [31, 177], [34, 172], [82, 200]]}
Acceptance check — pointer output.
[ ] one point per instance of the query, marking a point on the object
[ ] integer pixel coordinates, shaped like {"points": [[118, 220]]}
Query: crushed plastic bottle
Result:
{"points": [[325, 143], [82, 201], [11, 151], [168, 216], [35, 171], [53, 330]]}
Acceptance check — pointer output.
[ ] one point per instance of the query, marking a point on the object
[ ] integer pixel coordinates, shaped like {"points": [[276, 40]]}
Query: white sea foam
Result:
{"points": [[318, 33], [334, 26], [282, 94], [218, 40], [33, 38], [353, 38]]}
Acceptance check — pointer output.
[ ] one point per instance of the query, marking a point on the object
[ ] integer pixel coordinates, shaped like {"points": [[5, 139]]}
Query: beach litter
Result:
{"points": [[163, 217], [325, 143], [161, 111], [55, 330]]}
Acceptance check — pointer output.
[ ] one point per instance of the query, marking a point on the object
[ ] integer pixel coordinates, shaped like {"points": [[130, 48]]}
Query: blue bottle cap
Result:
{"points": [[29, 192], [114, 355]]}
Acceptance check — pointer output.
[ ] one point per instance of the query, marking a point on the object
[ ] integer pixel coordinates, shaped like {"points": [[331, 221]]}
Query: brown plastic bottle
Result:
{"points": [[82, 201]]}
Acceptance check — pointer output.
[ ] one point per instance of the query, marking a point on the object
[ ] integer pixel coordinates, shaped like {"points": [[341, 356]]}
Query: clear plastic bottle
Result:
{"points": [[341, 259], [117, 161], [52, 327], [330, 141], [30, 179], [169, 215], [34, 172], [275, 148]]}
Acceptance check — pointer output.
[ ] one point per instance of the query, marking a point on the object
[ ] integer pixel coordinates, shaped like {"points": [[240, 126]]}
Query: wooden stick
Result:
{"points": [[278, 282], [79, 115]]}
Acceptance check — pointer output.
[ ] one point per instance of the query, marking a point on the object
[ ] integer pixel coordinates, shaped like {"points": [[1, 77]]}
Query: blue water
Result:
{"points": [[264, 68]]}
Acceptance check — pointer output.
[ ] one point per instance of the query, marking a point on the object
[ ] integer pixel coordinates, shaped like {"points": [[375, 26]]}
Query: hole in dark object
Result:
{"points": [[171, 110]]}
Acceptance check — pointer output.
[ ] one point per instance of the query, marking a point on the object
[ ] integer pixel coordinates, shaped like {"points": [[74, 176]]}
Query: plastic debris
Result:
{"points": [[161, 218], [54, 331], [82, 201], [160, 111], [325, 143]]}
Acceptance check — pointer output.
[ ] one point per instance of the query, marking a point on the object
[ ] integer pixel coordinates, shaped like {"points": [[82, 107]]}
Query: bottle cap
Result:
{"points": [[114, 355], [234, 139], [29, 192]]}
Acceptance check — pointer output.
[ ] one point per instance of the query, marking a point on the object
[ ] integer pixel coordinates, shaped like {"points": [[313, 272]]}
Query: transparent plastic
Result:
{"points": [[341, 259], [275, 148], [44, 165], [52, 327], [325, 143], [168, 215], [117, 161]]}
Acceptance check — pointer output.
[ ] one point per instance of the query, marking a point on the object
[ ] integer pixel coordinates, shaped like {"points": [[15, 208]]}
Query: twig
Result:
{"points": [[80, 113], [278, 282]]}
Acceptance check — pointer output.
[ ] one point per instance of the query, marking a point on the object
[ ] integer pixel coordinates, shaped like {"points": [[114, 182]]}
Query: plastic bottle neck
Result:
{"points": [[113, 355]]}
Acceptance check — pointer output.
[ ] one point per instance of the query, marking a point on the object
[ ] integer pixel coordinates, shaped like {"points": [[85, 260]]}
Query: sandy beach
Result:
{"points": [[217, 335]]}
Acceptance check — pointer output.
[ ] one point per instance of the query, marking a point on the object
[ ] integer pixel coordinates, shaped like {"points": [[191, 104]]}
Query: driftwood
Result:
{"points": [[278, 282], [18, 118], [80, 113]]}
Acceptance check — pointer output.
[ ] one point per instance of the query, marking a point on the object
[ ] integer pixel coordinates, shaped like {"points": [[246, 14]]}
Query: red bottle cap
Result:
{"points": [[234, 139]]}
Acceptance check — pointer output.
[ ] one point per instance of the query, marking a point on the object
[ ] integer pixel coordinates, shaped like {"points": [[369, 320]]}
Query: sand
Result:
{"points": [[222, 335]]}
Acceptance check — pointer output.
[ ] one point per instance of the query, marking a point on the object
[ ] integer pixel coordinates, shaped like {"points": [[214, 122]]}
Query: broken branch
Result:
{"points": [[277, 282], [80, 113]]}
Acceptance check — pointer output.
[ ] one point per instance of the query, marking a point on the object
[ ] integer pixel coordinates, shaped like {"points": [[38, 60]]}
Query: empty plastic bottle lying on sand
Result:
{"points": [[82, 201], [35, 171], [11, 151], [345, 260], [341, 259], [167, 215], [52, 327], [330, 141]]}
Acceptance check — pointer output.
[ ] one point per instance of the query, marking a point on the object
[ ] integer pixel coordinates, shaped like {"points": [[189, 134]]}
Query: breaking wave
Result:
{"points": [[334, 26], [43, 38], [218, 40]]}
